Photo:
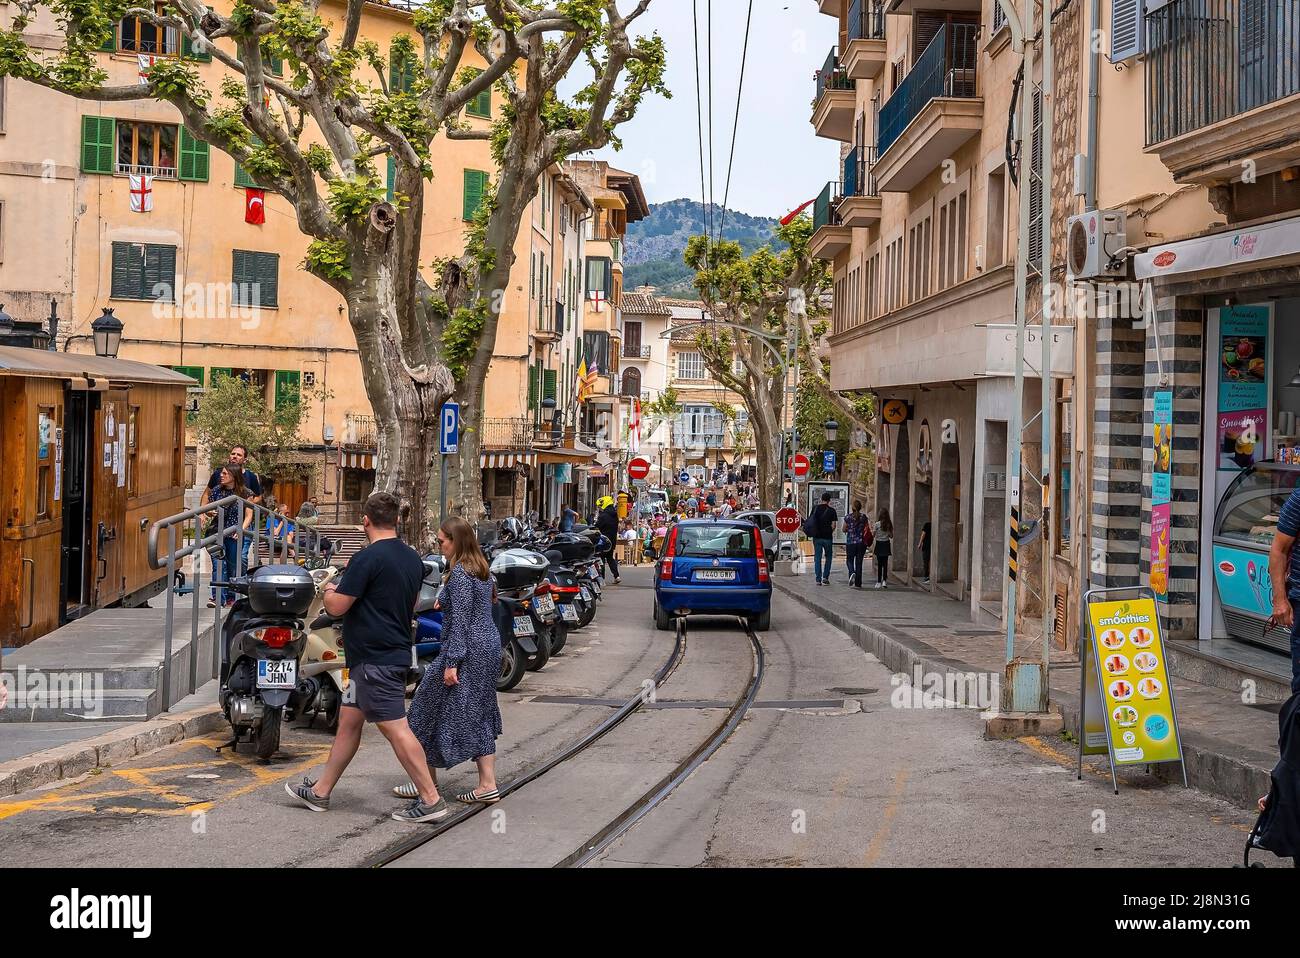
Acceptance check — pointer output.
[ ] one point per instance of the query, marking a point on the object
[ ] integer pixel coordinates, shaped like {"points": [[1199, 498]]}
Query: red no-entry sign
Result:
{"points": [[638, 468], [787, 520], [800, 465]]}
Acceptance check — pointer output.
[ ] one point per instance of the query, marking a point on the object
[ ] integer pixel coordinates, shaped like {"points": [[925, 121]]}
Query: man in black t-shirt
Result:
{"points": [[376, 597], [824, 518]]}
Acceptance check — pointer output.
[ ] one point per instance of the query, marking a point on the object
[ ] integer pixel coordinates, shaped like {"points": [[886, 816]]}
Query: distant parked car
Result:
{"points": [[766, 522], [713, 567]]}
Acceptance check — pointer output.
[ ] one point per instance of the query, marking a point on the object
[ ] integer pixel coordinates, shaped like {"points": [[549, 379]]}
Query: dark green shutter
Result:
{"points": [[548, 384], [242, 177], [110, 42], [241, 277], [97, 144], [401, 73], [128, 271], [392, 176], [287, 386], [159, 270], [194, 158], [268, 276], [261, 269], [475, 182], [194, 372], [481, 105], [217, 371], [188, 52], [532, 386]]}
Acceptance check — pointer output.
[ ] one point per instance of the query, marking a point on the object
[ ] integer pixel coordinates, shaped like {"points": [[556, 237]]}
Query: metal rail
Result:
{"points": [[644, 805], [251, 529], [392, 854]]}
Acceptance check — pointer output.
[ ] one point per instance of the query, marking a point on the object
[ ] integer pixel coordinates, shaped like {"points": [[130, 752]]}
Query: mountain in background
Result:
{"points": [[655, 244]]}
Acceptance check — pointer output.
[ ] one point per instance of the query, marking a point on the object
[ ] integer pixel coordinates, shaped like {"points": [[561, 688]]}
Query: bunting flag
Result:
{"points": [[634, 428], [141, 192], [254, 206], [789, 217]]}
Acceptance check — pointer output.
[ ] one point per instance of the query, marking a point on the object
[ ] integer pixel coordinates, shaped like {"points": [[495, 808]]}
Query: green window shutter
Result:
{"points": [[194, 372], [401, 73], [475, 183], [548, 384], [392, 176], [532, 386], [481, 105], [128, 271], [273, 63], [189, 53], [268, 278], [255, 278], [97, 141], [287, 386], [110, 42], [242, 177], [218, 371], [159, 271], [241, 278], [194, 158]]}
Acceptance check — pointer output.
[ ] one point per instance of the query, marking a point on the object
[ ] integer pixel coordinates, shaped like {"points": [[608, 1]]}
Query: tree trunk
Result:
{"points": [[465, 475], [767, 453]]}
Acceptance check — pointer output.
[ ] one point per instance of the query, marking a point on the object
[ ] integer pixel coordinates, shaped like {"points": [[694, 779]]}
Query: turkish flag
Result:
{"points": [[254, 206]]}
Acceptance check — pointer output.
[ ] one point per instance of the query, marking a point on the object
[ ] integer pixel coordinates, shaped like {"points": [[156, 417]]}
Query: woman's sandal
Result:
{"points": [[407, 791], [487, 798]]}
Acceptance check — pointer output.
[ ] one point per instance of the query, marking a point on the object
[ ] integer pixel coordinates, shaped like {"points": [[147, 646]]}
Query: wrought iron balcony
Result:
{"points": [[359, 431], [514, 433], [1211, 60], [824, 213], [866, 20], [858, 179], [832, 76], [945, 69]]}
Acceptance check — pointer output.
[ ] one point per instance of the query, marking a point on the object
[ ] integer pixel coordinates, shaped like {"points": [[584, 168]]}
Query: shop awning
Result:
{"points": [[506, 460], [1240, 248], [561, 454], [357, 460]]}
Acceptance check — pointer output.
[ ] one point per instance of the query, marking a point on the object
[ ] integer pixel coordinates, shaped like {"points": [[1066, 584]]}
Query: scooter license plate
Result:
{"points": [[544, 604], [569, 613], [586, 594], [524, 625], [595, 586], [277, 673]]}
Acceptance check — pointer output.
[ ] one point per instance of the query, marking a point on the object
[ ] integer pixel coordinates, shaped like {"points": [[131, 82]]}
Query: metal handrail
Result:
{"points": [[832, 76], [295, 552], [824, 212], [859, 175]]}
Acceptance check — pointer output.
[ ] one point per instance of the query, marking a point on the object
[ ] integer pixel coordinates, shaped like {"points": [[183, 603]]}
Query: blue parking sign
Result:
{"points": [[449, 429], [828, 460]]}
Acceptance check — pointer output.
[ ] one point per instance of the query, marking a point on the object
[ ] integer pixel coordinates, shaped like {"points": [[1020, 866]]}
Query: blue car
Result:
{"points": [[713, 567]]}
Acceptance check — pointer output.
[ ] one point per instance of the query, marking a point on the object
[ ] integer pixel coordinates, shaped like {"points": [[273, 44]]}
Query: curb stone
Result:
{"points": [[1230, 777], [103, 751]]}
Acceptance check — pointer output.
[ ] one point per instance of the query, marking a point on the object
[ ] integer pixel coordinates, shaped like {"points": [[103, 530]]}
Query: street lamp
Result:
{"points": [[107, 333], [832, 430]]}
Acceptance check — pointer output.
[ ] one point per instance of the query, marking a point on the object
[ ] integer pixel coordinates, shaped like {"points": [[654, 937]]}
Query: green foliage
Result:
{"points": [[329, 259], [236, 413], [319, 159], [460, 337], [666, 405], [351, 197]]}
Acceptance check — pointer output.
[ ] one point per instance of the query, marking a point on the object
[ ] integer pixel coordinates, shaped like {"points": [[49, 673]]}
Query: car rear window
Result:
{"points": [[727, 542]]}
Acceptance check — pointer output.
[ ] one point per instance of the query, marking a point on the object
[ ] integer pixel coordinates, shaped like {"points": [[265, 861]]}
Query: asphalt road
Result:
{"points": [[823, 771]]}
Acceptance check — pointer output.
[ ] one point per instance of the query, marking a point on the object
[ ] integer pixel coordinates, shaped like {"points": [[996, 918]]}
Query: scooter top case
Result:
{"points": [[572, 546], [281, 590], [518, 569]]}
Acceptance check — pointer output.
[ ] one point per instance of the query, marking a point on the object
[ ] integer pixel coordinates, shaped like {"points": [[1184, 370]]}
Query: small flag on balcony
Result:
{"points": [[584, 388], [789, 217], [141, 193], [254, 206], [145, 62], [597, 297], [634, 428]]}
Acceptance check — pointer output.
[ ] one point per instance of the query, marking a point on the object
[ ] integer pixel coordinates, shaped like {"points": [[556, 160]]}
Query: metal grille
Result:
{"points": [[1210, 60], [859, 176], [866, 20]]}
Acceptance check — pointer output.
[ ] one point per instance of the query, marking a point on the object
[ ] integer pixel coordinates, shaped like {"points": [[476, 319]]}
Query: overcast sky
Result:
{"points": [[779, 162]]}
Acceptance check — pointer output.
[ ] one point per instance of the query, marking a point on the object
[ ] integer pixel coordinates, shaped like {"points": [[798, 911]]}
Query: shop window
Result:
{"points": [[503, 483]]}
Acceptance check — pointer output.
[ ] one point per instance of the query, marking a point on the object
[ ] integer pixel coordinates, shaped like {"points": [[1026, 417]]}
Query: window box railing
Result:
{"points": [[1210, 60], [832, 76], [140, 169], [824, 212], [635, 351], [514, 433], [859, 180], [866, 20], [945, 69]]}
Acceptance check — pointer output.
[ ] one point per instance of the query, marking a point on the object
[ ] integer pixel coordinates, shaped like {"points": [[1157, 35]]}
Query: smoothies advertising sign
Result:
{"points": [[1162, 444], [1243, 386], [1136, 694]]}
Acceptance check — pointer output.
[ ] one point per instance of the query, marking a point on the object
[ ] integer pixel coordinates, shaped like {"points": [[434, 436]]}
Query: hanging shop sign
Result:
{"points": [[896, 411], [1162, 444]]}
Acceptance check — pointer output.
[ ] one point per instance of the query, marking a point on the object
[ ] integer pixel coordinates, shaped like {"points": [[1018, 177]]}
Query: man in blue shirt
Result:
{"points": [[1284, 572]]}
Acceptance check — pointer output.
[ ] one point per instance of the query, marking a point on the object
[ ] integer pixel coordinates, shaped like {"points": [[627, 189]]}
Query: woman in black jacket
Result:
{"points": [[607, 526]]}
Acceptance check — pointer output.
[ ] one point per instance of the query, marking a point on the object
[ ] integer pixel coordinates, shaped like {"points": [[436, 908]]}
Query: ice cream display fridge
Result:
{"points": [[1244, 524]]}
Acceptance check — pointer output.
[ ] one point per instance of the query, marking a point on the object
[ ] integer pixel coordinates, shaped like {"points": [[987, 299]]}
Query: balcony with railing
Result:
{"points": [[860, 203], [1223, 85], [834, 104], [359, 431], [635, 351], [933, 112], [830, 236], [142, 169], [864, 53]]}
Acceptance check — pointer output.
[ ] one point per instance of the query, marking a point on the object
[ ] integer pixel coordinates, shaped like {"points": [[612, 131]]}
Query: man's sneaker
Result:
{"points": [[304, 794], [420, 812]]}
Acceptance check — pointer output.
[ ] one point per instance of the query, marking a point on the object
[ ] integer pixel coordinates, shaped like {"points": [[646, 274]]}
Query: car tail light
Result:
{"points": [[666, 567], [275, 638], [761, 557]]}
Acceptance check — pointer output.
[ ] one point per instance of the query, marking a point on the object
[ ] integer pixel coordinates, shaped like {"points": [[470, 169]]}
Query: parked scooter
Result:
{"points": [[263, 640], [324, 673]]}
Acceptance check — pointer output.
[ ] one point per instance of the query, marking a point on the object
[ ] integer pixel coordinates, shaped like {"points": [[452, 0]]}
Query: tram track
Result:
{"points": [[646, 803]]}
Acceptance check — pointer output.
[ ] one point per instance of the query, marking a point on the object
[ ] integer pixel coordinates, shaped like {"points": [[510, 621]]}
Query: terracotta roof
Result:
{"points": [[644, 304]]}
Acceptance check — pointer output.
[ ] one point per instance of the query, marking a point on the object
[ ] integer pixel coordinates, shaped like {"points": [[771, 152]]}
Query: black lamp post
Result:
{"points": [[832, 430], [107, 333]]}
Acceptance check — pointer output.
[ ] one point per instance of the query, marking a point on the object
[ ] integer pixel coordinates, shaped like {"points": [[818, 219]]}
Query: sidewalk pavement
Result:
{"points": [[1228, 747], [34, 754]]}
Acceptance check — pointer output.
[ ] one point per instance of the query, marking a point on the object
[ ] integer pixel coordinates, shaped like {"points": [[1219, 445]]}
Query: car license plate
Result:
{"points": [[569, 613], [586, 594], [719, 575], [277, 673], [524, 625], [544, 605]]}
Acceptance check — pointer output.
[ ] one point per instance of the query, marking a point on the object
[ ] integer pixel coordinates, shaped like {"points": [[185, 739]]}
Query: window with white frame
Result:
{"points": [[690, 366]]}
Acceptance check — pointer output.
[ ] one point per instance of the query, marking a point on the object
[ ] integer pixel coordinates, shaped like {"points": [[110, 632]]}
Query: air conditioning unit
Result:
{"points": [[1093, 242]]}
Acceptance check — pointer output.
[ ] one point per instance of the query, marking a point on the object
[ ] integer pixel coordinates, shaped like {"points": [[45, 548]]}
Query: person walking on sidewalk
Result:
{"points": [[882, 548], [1284, 571], [376, 598], [823, 520], [858, 537], [455, 714], [923, 543], [607, 526]]}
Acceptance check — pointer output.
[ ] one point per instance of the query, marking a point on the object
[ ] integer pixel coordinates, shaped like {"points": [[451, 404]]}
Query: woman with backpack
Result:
{"points": [[881, 549]]}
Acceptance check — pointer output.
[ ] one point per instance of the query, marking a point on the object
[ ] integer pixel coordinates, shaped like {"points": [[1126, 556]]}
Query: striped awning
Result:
{"points": [[506, 460], [358, 460]]}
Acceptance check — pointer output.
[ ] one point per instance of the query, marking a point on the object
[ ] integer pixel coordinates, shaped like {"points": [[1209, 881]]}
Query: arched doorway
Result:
{"points": [[923, 476], [949, 544], [901, 501], [631, 379]]}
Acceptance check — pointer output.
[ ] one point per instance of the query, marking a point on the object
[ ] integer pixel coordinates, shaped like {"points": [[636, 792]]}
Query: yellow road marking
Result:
{"points": [[878, 840]]}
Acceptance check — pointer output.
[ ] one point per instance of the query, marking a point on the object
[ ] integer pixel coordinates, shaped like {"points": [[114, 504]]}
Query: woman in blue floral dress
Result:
{"points": [[454, 713]]}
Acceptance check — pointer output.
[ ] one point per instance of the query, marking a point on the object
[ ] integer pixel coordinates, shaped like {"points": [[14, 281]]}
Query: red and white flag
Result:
{"points": [[597, 297], [146, 62], [254, 206], [634, 428], [141, 192]]}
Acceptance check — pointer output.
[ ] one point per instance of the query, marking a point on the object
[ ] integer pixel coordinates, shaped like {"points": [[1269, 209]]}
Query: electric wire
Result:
{"points": [[740, 90], [708, 6], [699, 119]]}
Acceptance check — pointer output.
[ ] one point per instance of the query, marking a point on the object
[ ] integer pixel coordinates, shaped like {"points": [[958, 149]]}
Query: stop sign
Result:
{"points": [[638, 468], [787, 520], [800, 465]]}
